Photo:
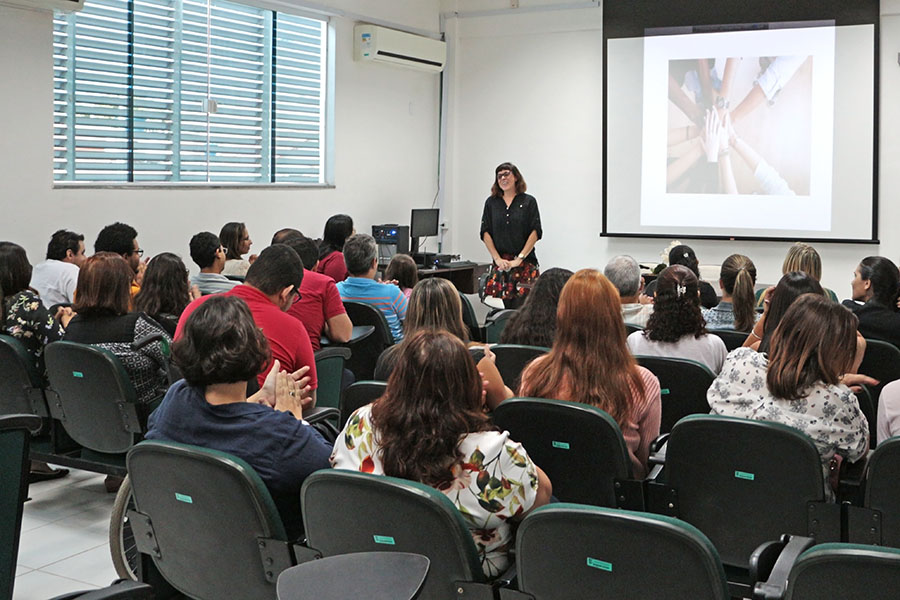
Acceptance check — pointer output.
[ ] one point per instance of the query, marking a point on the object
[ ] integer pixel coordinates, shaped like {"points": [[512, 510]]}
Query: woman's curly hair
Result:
{"points": [[676, 309]]}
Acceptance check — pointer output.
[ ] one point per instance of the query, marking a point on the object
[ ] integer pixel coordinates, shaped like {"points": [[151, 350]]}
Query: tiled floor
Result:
{"points": [[65, 538]]}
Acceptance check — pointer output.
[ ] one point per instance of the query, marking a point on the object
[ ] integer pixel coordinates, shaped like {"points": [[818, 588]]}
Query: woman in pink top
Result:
{"points": [[331, 257], [590, 363]]}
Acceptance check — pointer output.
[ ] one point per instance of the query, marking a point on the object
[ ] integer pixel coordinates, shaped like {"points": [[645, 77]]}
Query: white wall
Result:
{"points": [[386, 140], [526, 87]]}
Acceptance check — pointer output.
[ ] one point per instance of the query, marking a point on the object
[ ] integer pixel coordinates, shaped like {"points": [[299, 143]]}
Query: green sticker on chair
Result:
{"points": [[383, 539], [77, 374], [664, 391], [560, 445], [744, 475], [184, 498], [599, 564]]}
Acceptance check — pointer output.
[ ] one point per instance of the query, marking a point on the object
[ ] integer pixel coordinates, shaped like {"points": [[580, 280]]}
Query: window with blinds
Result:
{"points": [[204, 91]]}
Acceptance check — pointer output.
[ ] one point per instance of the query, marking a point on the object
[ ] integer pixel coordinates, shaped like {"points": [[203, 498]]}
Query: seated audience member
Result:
{"points": [[360, 255], [404, 271], [209, 254], [435, 305], [24, 316], [590, 363], [799, 383], [676, 328], [319, 307], [534, 324], [737, 309], [121, 239], [103, 320], [876, 284], [269, 291], [684, 255], [625, 273], [219, 350], [236, 240], [55, 279], [888, 424], [331, 259], [166, 291], [430, 427], [804, 258], [282, 234], [777, 301]]}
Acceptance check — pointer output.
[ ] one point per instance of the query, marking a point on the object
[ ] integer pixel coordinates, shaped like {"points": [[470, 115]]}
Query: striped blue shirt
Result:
{"points": [[385, 297]]}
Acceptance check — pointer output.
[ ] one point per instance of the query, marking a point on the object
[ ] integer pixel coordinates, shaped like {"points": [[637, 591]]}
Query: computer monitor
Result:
{"points": [[423, 222]]}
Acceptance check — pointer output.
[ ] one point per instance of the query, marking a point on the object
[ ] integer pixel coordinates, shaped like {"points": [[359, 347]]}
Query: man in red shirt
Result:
{"points": [[320, 307], [270, 288]]}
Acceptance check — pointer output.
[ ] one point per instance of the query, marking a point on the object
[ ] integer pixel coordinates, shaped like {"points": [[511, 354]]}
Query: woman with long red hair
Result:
{"points": [[590, 363]]}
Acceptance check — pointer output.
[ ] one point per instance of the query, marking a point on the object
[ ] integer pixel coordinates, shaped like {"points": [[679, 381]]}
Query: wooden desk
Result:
{"points": [[465, 278]]}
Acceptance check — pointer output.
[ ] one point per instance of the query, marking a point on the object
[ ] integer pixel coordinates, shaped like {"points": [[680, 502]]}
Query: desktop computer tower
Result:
{"points": [[391, 240]]}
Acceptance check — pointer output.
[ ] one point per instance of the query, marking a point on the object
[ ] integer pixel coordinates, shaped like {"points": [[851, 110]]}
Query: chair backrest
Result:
{"points": [[845, 571], [495, 323], [683, 384], [376, 576], [733, 339], [580, 447], [881, 490], [577, 551], [346, 511], [15, 435], [210, 515], [21, 386], [632, 328], [512, 358], [470, 319], [367, 350], [330, 372], [357, 395], [744, 482], [97, 401], [881, 361]]}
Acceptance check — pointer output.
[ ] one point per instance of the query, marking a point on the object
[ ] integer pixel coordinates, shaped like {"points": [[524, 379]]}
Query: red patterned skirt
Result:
{"points": [[506, 284]]}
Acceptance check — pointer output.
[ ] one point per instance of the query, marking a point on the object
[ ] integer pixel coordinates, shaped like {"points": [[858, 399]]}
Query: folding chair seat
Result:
{"points": [[579, 447], [683, 384], [367, 350], [511, 360], [495, 323], [15, 437], [207, 522], [878, 520], [347, 511], [733, 339], [731, 478], [578, 552], [357, 395], [375, 576]]}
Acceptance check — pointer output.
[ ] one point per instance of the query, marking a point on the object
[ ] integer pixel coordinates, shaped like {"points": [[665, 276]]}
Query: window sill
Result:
{"points": [[68, 185]]}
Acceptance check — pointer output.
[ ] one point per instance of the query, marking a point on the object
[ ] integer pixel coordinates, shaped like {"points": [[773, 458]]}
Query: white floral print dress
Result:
{"points": [[496, 481]]}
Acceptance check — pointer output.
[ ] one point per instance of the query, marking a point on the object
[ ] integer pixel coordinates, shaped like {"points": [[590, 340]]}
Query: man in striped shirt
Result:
{"points": [[360, 255]]}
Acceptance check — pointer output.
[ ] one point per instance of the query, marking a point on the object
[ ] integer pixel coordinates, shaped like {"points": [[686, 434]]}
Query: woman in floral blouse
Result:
{"points": [[430, 427], [814, 346]]}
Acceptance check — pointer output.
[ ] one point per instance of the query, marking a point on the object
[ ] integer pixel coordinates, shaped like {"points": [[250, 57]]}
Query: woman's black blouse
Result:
{"points": [[510, 227]]}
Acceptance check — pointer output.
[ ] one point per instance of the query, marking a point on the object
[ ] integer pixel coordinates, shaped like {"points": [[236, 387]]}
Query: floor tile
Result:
{"points": [[60, 502], [93, 566], [56, 541], [38, 585], [20, 570]]}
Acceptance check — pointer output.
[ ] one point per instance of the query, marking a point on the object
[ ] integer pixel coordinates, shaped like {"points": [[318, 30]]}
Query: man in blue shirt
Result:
{"points": [[361, 257]]}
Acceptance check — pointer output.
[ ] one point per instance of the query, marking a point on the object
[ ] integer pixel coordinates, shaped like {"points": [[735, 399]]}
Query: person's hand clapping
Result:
{"points": [[267, 393], [287, 395]]}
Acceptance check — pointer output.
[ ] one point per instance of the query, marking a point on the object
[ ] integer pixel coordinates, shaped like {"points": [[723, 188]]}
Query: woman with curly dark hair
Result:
{"points": [[165, 291], [535, 323], [221, 348], [430, 427], [684, 255], [676, 328]]}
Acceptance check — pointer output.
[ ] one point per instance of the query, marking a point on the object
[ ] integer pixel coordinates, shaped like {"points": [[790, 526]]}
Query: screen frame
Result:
{"points": [[629, 19], [417, 215]]}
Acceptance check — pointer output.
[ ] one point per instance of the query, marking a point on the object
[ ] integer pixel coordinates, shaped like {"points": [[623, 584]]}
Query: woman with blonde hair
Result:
{"points": [[434, 305], [737, 309], [590, 363], [804, 258]]}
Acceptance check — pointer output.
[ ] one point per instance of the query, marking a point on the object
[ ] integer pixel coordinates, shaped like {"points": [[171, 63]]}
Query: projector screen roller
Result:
{"points": [[758, 132]]}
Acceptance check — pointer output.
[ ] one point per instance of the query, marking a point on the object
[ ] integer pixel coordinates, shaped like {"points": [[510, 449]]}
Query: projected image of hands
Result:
{"points": [[740, 125]]}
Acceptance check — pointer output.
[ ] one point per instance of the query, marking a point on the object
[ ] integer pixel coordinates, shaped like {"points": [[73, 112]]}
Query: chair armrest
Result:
{"points": [[658, 455], [320, 413], [775, 586], [852, 479], [659, 444]]}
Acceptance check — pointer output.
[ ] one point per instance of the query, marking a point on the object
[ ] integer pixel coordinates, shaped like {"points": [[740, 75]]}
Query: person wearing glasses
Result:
{"points": [[121, 239], [209, 254], [510, 227]]}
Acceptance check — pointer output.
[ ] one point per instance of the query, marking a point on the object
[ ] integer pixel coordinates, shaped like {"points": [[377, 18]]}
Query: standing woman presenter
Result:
{"points": [[510, 227]]}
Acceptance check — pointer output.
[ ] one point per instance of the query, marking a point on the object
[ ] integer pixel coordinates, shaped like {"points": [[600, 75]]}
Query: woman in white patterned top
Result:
{"points": [[814, 345], [430, 426]]}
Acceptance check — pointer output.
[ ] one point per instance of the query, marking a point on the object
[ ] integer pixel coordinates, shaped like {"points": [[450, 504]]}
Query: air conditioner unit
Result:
{"points": [[46, 5], [380, 44]]}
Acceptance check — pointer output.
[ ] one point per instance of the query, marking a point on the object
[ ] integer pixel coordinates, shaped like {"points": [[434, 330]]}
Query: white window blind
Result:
{"points": [[132, 79]]}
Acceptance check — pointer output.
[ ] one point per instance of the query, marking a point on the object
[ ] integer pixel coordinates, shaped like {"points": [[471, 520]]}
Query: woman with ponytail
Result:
{"points": [[737, 309]]}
